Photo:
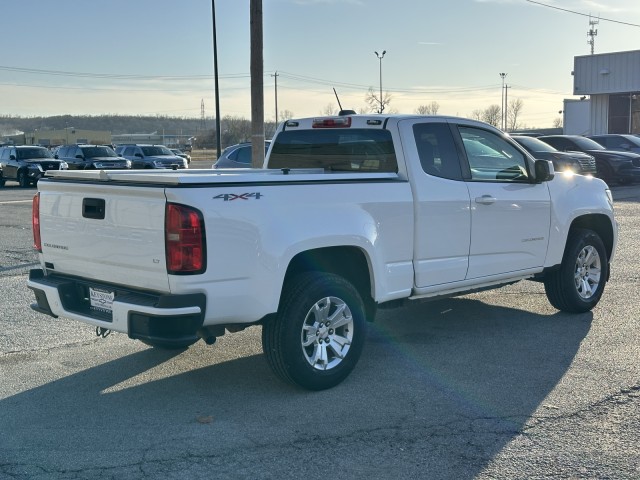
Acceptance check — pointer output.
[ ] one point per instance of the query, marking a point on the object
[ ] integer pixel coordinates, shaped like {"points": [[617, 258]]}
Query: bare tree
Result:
{"points": [[235, 130], [477, 114], [286, 115], [373, 100], [491, 115], [557, 122], [429, 109], [330, 109], [513, 111]]}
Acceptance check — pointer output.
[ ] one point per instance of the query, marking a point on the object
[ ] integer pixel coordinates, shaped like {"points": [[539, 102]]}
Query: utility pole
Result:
{"points": [[202, 116], [592, 33], [257, 85], [275, 76], [215, 77]]}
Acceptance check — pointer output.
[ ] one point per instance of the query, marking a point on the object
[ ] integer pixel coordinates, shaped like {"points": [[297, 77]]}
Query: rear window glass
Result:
{"points": [[335, 150]]}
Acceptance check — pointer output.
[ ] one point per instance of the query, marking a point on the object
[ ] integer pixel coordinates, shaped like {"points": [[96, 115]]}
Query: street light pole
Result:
{"points": [[380, 57], [502, 113]]}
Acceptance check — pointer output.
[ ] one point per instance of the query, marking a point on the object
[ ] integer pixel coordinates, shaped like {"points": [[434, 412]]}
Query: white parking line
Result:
{"points": [[16, 201]]}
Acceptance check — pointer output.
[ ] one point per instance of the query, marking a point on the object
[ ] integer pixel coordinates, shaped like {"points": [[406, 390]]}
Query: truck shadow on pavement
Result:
{"points": [[441, 388]]}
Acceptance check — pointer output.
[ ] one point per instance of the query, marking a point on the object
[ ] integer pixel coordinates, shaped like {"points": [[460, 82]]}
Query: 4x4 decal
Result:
{"points": [[228, 197]]}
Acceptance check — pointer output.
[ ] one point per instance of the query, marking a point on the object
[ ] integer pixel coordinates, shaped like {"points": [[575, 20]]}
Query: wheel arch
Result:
{"points": [[349, 262], [599, 223]]}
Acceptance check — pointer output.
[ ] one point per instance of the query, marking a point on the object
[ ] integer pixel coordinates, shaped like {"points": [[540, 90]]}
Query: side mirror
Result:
{"points": [[80, 157], [544, 171], [56, 156], [139, 155], [12, 157]]}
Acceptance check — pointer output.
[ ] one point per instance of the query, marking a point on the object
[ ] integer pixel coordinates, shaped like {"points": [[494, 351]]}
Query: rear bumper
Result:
{"points": [[141, 315]]}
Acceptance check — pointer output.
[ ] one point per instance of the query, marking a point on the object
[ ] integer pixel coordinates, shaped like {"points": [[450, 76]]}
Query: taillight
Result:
{"points": [[185, 240], [35, 222]]}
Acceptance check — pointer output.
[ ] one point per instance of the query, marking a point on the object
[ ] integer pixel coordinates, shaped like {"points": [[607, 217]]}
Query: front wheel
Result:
{"points": [[317, 336], [578, 285], [23, 180]]}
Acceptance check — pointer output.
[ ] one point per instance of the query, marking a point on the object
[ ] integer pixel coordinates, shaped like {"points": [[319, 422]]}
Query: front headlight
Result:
{"points": [[128, 162], [98, 165], [64, 166], [158, 163]]}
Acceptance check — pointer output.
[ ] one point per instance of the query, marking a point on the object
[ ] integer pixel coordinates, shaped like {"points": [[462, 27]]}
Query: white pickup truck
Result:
{"points": [[353, 213]]}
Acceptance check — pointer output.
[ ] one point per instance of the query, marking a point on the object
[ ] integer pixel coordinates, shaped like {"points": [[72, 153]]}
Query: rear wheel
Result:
{"points": [[317, 336], [578, 285]]}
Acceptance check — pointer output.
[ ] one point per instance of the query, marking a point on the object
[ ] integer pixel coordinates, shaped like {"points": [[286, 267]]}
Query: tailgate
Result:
{"points": [[109, 233]]}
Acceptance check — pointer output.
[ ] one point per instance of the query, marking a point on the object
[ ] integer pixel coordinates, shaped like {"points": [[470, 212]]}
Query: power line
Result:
{"points": [[115, 76], [582, 14]]}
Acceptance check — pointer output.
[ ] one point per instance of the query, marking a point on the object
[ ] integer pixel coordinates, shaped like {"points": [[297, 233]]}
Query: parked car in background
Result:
{"points": [[237, 156], [151, 156], [26, 164], [611, 166], [91, 157], [576, 162], [618, 142], [180, 153]]}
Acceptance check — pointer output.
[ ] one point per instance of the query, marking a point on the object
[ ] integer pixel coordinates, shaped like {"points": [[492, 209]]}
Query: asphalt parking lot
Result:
{"points": [[494, 385]]}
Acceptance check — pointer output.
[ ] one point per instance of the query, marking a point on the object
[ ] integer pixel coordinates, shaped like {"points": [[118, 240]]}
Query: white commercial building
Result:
{"points": [[612, 80]]}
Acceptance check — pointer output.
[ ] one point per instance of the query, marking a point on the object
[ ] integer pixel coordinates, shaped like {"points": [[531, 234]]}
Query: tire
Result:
{"points": [[300, 342], [169, 344], [23, 180], [578, 285], [605, 172]]}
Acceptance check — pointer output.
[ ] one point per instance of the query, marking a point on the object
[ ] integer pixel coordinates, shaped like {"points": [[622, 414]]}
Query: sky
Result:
{"points": [[155, 57]]}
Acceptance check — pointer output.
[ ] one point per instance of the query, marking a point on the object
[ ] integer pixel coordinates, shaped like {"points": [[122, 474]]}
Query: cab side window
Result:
{"points": [[437, 150], [491, 158]]}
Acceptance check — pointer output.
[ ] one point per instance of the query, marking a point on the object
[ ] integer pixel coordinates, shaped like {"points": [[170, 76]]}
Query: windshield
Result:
{"points": [[25, 153], [534, 145], [156, 150], [587, 144], [93, 152]]}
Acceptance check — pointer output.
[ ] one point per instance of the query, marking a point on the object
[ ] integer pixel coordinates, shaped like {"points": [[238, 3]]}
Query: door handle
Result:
{"points": [[485, 199]]}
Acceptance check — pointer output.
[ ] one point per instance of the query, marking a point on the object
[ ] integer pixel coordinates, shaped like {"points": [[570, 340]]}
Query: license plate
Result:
{"points": [[101, 300]]}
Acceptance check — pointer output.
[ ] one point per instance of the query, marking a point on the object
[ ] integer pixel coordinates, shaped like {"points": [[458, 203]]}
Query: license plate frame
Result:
{"points": [[101, 300]]}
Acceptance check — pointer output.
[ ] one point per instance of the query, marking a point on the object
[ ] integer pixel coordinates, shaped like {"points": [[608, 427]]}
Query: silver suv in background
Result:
{"points": [[237, 156], [151, 156]]}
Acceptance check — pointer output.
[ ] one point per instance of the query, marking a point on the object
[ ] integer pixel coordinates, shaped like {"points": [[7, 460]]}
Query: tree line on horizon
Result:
{"points": [[234, 129]]}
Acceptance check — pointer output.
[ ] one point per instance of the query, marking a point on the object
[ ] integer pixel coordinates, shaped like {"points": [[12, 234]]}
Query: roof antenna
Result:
{"points": [[342, 112]]}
